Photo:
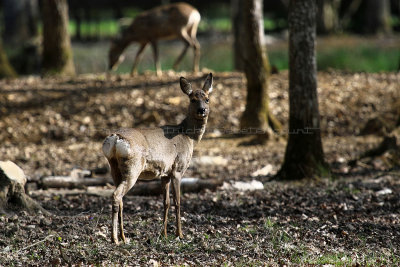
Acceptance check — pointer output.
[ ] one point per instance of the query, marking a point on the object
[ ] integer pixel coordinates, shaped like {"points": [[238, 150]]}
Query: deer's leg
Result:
{"points": [[196, 48], [166, 181], [156, 58], [121, 221], [137, 58], [117, 199], [196, 59], [176, 185], [130, 170], [186, 39]]}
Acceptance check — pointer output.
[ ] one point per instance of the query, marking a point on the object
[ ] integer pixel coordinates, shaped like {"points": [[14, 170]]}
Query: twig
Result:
{"points": [[36, 243]]}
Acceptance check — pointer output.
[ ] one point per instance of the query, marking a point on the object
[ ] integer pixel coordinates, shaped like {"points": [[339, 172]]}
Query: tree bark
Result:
{"points": [[377, 17], [6, 71], [256, 68], [304, 155], [57, 52]]}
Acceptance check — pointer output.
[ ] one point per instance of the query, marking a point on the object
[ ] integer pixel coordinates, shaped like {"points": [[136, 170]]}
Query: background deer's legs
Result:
{"points": [[188, 42], [196, 48], [137, 58], [156, 58]]}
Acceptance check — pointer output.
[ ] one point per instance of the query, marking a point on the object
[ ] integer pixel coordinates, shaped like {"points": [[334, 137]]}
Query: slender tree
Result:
{"points": [[304, 156], [57, 52], [256, 68]]}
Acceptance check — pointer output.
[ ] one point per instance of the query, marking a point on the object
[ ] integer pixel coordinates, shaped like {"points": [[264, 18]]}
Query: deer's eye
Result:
{"points": [[207, 100], [193, 100]]}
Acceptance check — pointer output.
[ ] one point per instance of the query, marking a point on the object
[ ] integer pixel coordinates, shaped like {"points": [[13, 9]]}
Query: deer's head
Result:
{"points": [[199, 101], [115, 56]]}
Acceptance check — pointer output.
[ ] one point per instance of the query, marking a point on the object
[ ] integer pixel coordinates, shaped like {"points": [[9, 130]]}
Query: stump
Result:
{"points": [[12, 191]]}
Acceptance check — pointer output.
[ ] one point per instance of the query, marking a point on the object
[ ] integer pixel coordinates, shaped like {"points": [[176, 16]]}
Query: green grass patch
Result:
{"points": [[344, 259], [365, 58]]}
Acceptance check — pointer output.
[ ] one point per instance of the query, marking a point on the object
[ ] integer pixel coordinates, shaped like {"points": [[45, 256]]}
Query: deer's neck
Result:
{"points": [[124, 41], [194, 128]]}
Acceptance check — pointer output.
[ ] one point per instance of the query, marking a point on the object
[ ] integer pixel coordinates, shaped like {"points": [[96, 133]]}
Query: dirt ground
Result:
{"points": [[50, 126]]}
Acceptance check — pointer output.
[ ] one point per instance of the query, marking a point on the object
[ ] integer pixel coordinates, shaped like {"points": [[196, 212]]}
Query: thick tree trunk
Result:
{"points": [[304, 156], [256, 68], [6, 71], [377, 17], [57, 52]]}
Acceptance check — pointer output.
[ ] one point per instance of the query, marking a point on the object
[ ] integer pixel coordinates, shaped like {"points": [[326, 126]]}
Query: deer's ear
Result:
{"points": [[186, 86], [207, 87]]}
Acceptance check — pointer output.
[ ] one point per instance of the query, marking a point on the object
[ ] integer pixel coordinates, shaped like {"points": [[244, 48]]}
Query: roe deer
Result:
{"points": [[172, 21], [163, 153]]}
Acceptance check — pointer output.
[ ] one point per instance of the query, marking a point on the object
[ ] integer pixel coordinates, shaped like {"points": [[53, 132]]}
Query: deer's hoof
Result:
{"points": [[123, 239], [180, 235]]}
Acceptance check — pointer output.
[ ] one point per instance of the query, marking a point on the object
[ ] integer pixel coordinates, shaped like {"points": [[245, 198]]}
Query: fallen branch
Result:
{"points": [[141, 188], [73, 182]]}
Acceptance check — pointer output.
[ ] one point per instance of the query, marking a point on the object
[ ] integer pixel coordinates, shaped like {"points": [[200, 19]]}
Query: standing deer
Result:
{"points": [[162, 153], [172, 21]]}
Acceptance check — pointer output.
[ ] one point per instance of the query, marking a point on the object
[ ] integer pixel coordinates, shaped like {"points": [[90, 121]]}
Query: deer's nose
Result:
{"points": [[201, 111]]}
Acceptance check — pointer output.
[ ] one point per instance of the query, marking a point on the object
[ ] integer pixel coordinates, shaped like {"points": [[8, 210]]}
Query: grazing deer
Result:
{"points": [[172, 21], [163, 153]]}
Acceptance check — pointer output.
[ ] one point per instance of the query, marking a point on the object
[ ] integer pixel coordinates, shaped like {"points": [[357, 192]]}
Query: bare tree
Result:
{"points": [[256, 68], [304, 155], [57, 52]]}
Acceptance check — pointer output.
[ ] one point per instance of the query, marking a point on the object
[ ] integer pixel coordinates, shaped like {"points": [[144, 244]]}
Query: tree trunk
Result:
{"points": [[6, 71], [12, 192], [237, 29], [57, 52], [377, 17], [327, 16], [304, 156], [256, 68]]}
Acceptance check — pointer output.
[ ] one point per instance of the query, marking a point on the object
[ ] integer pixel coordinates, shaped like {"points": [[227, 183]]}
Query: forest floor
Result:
{"points": [[50, 126]]}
